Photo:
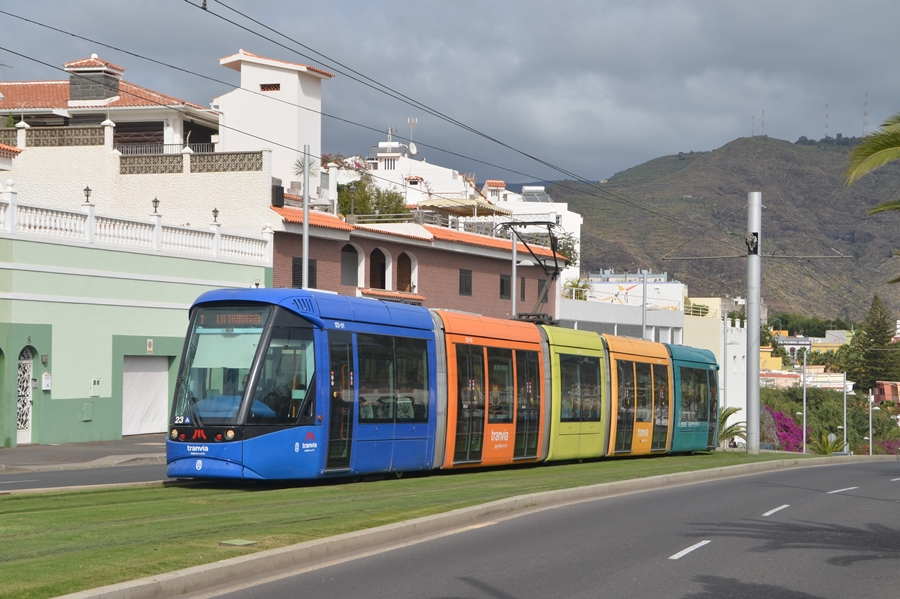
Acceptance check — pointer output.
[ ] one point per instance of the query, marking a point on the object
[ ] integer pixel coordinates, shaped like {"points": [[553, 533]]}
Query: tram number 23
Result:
{"points": [[339, 325]]}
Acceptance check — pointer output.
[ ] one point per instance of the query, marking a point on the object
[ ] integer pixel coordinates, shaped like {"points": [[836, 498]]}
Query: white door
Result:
{"points": [[145, 395], [23, 405]]}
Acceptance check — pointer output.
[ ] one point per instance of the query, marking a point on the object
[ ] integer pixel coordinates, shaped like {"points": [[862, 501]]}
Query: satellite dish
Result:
{"points": [[413, 150]]}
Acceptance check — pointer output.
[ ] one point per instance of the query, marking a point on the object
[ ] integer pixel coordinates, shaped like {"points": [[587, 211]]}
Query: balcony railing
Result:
{"points": [[152, 149], [85, 226]]}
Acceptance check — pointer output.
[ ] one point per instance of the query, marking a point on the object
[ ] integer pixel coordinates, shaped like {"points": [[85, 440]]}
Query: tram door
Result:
{"points": [[469, 403], [637, 428], [341, 397], [528, 408]]}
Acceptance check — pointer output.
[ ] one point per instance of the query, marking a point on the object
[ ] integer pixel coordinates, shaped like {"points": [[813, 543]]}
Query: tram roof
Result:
{"points": [[321, 306]]}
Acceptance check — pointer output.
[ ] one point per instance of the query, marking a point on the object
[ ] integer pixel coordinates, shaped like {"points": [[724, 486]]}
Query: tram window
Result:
{"points": [[528, 383], [644, 392], [579, 388], [470, 376], [393, 379], [661, 394], [626, 397], [661, 407], [694, 395], [412, 379], [500, 385], [284, 391], [221, 346], [376, 378]]}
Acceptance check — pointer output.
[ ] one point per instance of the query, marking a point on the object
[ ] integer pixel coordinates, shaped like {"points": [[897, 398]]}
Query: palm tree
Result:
{"points": [[311, 162], [738, 429], [819, 444]]}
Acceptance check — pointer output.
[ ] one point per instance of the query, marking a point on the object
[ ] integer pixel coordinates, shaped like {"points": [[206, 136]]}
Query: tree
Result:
{"points": [[566, 244], [579, 289], [872, 355]]}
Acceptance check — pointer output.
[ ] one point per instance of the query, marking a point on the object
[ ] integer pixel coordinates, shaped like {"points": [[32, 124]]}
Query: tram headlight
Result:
{"points": [[174, 433], [229, 435]]}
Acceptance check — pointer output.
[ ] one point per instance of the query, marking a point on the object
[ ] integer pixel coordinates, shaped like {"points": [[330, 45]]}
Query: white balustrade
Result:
{"points": [[243, 247], [46, 221], [49, 222], [179, 239], [124, 232]]}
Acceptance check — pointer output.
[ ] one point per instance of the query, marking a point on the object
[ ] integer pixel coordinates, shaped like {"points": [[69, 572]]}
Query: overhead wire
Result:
{"points": [[610, 195]]}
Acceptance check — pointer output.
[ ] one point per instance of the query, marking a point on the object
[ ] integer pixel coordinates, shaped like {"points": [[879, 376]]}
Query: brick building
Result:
{"points": [[429, 265]]}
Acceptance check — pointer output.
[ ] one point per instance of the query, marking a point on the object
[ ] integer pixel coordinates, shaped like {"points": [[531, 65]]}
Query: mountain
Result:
{"points": [[694, 205]]}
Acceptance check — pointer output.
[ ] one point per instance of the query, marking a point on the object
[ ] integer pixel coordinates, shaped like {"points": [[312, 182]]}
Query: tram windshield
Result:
{"points": [[216, 367]]}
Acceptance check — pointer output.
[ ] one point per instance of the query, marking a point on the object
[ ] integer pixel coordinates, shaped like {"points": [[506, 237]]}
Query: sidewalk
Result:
{"points": [[131, 450]]}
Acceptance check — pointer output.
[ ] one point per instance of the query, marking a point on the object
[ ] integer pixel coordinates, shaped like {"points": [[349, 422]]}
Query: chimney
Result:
{"points": [[93, 79]]}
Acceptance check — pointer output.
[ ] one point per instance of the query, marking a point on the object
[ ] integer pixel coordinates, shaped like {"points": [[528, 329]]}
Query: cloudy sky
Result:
{"points": [[592, 87]]}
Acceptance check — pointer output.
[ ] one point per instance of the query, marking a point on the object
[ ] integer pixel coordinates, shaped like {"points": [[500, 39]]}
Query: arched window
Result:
{"points": [[377, 270], [404, 273], [349, 266]]}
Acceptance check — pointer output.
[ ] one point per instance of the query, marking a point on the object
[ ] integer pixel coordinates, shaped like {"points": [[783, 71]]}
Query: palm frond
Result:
{"points": [[873, 152], [886, 206]]}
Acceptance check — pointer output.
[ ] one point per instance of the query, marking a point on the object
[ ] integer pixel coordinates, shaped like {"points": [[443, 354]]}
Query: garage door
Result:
{"points": [[145, 395]]}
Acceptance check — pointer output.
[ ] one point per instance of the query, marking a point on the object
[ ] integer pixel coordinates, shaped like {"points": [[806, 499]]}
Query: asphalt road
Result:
{"points": [[822, 532], [54, 479]]}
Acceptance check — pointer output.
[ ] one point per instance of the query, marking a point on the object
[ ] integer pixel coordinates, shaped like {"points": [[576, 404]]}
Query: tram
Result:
{"points": [[279, 384]]}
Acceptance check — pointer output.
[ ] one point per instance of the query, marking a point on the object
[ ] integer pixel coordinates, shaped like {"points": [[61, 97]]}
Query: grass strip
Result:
{"points": [[62, 542]]}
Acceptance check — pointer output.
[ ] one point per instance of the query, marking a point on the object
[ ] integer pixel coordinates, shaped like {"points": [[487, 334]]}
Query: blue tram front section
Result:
{"points": [[695, 376], [292, 384]]}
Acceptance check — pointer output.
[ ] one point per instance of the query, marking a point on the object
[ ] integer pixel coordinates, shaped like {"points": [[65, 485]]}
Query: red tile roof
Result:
{"points": [[495, 183], [393, 294], [316, 218], [414, 178], [55, 94], [92, 63], [9, 151], [443, 234]]}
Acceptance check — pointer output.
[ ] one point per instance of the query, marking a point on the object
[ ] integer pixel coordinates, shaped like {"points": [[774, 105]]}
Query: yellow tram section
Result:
{"points": [[641, 398], [579, 414]]}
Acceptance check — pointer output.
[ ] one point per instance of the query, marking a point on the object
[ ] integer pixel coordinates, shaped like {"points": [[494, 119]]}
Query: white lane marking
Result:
{"points": [[684, 552], [778, 509], [842, 490], [895, 479], [12, 482]]}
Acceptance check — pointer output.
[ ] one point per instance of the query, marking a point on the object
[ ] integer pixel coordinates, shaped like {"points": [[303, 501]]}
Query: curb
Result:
{"points": [[245, 567]]}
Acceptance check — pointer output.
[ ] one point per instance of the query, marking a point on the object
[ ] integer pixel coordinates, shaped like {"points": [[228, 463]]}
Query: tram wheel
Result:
{"points": [[398, 474]]}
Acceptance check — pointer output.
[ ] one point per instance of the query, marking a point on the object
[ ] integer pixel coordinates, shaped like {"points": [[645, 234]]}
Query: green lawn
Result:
{"points": [[57, 543]]}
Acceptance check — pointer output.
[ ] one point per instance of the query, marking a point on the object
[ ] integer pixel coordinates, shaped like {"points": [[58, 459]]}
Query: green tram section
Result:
{"points": [[580, 399]]}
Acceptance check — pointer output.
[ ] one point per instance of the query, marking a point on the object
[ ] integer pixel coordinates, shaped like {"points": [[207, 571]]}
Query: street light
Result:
{"points": [[872, 406], [804, 402]]}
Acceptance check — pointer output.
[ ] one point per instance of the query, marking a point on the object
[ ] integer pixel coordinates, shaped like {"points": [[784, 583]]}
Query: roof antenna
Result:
{"points": [[413, 121]]}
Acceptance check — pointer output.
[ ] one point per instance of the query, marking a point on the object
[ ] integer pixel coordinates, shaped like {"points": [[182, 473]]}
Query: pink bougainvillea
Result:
{"points": [[790, 434]]}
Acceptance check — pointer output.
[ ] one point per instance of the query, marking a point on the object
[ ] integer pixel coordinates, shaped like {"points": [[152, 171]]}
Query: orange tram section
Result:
{"points": [[516, 392]]}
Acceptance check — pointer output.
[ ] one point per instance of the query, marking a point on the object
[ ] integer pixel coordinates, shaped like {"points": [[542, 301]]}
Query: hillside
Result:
{"points": [[662, 208]]}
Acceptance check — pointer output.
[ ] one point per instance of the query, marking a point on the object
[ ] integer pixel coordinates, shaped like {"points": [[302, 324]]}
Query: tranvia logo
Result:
{"points": [[309, 444], [202, 448], [499, 435], [198, 434]]}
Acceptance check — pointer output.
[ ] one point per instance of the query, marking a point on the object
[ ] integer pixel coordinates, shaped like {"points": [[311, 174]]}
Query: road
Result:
{"points": [[52, 479], [823, 532]]}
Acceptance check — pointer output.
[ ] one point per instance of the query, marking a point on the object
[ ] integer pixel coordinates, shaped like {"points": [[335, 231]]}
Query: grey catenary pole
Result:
{"points": [[305, 280], [754, 219]]}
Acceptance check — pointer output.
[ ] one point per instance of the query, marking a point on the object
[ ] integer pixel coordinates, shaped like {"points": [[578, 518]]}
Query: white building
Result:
{"points": [[277, 107]]}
